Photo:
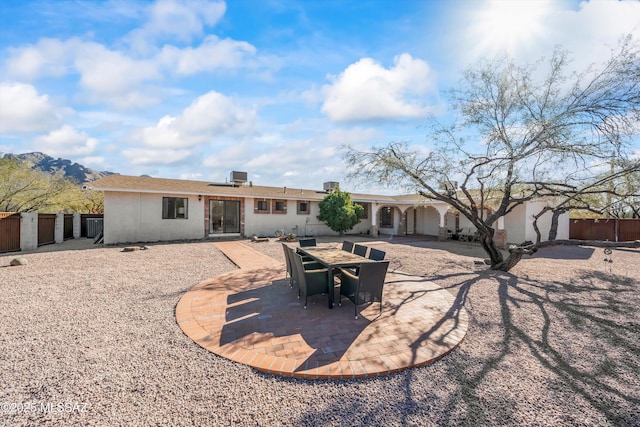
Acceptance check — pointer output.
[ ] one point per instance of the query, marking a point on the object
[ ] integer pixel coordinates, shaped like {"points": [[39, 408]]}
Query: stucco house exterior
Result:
{"points": [[144, 209]]}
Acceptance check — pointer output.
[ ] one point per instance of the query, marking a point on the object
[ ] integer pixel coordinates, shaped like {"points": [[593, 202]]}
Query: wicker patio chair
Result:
{"points": [[310, 282], [367, 286]]}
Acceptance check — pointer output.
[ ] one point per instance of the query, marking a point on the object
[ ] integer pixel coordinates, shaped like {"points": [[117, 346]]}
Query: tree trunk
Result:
{"points": [[515, 255], [553, 231], [506, 265], [489, 246]]}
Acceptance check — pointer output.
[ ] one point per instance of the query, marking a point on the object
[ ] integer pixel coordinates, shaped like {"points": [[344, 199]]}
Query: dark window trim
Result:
{"points": [[262, 211], [305, 212], [171, 208], [275, 209], [390, 216]]}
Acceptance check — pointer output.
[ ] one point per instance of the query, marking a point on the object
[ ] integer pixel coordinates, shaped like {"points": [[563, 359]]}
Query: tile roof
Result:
{"points": [[143, 184]]}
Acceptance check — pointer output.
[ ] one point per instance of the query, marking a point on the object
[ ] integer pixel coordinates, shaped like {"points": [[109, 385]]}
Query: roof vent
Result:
{"points": [[329, 186], [238, 178]]}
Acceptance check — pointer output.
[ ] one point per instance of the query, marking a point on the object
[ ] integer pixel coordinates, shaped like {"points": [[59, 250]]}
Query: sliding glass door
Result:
{"points": [[224, 216]]}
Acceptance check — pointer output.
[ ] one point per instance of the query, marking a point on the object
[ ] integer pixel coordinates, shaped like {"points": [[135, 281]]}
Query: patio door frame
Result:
{"points": [[229, 220]]}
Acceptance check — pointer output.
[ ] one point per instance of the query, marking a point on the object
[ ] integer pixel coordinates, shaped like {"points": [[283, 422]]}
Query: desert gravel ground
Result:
{"points": [[88, 337]]}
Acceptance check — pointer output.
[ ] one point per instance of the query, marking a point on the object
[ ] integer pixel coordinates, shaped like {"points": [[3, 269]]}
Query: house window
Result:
{"points": [[174, 208], [386, 217], [365, 207], [262, 207], [304, 208], [279, 207]]}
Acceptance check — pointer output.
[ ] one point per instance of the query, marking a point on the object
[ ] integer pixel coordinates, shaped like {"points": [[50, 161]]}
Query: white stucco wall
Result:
{"points": [[259, 224], [465, 223], [137, 217], [514, 225], [544, 223], [450, 221], [428, 221]]}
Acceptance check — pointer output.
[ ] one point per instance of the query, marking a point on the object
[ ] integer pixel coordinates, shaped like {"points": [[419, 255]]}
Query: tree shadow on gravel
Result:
{"points": [[575, 343], [584, 334]]}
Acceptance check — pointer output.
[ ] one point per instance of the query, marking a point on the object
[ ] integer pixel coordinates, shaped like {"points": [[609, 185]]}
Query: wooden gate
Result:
{"points": [[68, 226], [9, 232], [46, 229]]}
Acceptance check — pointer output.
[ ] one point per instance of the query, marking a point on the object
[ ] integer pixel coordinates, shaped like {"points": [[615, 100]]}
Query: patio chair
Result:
{"points": [[360, 250], [365, 287], [463, 234], [310, 282], [290, 253], [307, 242], [287, 261], [376, 254], [347, 246]]}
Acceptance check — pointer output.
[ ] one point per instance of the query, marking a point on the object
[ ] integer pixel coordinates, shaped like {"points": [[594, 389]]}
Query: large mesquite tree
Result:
{"points": [[522, 133]]}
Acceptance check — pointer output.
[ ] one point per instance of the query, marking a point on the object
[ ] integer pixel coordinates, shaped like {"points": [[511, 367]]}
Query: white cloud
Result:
{"points": [[48, 57], [354, 136], [532, 28], [180, 20], [95, 162], [212, 54], [142, 156], [112, 77], [122, 78], [107, 76], [278, 158], [366, 90], [66, 142], [22, 109], [592, 31], [210, 117]]}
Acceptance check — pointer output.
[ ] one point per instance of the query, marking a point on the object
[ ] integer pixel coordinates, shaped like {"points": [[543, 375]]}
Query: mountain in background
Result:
{"points": [[74, 171]]}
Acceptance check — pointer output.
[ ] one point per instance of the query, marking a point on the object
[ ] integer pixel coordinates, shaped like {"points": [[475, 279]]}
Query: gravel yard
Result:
{"points": [[88, 337]]}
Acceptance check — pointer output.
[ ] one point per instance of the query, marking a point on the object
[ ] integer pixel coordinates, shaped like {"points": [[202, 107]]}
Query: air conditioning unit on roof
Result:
{"points": [[238, 178], [329, 186]]}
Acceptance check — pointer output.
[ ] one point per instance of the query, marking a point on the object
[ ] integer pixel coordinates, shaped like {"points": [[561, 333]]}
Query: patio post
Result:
{"points": [[442, 229], [374, 220], [500, 237]]}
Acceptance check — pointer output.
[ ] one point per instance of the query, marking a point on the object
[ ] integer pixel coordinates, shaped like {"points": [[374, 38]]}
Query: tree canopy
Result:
{"points": [[339, 212], [523, 133], [24, 189]]}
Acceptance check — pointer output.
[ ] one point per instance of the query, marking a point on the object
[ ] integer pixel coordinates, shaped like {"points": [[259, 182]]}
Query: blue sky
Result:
{"points": [[194, 89]]}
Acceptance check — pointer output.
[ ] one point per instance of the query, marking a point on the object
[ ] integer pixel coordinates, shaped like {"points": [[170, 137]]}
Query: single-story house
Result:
{"points": [[144, 209]]}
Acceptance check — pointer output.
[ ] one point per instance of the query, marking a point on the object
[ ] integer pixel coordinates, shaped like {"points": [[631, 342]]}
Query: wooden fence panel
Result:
{"points": [[590, 229], [613, 230], [46, 229], [68, 226], [9, 232], [629, 230]]}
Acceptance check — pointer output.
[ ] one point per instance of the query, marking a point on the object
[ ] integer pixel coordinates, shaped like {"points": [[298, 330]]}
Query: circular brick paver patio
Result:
{"points": [[254, 317]]}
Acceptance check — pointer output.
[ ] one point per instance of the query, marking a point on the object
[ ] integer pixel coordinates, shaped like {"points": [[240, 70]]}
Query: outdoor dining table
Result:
{"points": [[333, 258]]}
